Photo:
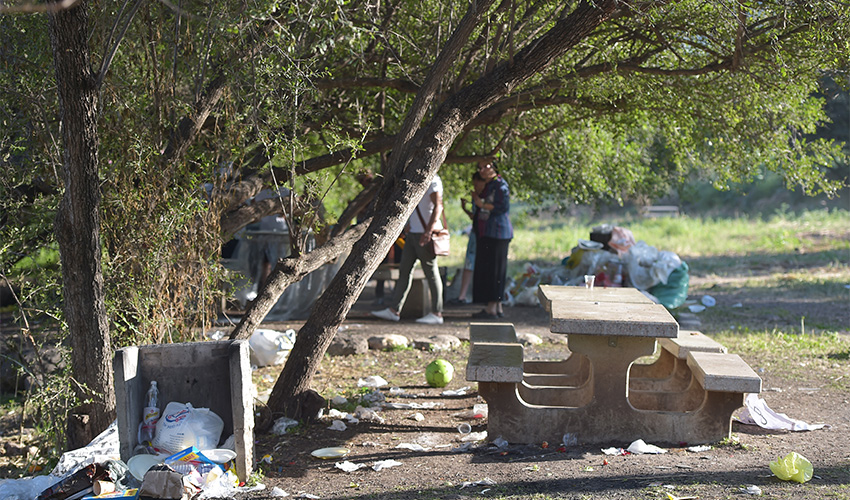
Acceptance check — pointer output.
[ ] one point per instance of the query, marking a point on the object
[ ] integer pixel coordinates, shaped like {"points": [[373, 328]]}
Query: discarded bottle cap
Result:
{"points": [[464, 428]]}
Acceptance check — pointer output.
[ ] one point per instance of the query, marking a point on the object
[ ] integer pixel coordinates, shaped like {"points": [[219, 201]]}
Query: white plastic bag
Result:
{"points": [[182, 426], [270, 347]]}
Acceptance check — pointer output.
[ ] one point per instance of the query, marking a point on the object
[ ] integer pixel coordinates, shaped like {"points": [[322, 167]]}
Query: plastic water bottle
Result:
{"points": [[150, 415]]}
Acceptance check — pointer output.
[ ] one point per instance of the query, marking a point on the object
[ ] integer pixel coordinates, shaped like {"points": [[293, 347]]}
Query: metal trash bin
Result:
{"points": [[214, 375]]}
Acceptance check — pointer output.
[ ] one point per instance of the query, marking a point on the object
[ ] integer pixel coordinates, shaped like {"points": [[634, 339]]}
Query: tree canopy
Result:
{"points": [[201, 105]]}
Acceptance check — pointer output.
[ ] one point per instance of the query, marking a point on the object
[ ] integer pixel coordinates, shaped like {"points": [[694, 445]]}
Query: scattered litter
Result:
{"points": [[484, 482], [385, 464], [367, 414], [373, 397], [464, 428], [267, 459], [569, 439], [308, 496], [410, 406], [282, 424], [216, 335], [769, 419], [455, 392], [338, 425], [670, 496], [500, 443], [347, 466], [411, 447], [372, 381], [465, 447], [339, 401], [639, 447], [697, 449], [794, 467], [475, 436], [476, 412], [333, 452], [370, 444], [737, 305], [708, 301], [615, 451], [278, 492], [696, 308], [270, 347], [417, 416], [751, 489]]}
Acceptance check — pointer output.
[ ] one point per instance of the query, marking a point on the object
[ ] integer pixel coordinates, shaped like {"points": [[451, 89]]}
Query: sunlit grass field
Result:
{"points": [[808, 238]]}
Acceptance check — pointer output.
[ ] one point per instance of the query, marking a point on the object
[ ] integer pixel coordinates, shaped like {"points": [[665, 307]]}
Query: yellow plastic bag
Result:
{"points": [[794, 467]]}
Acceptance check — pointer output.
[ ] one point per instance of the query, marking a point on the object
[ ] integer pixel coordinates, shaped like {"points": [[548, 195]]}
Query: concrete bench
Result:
{"points": [[418, 302], [503, 333], [722, 372], [670, 371], [653, 211], [708, 372], [495, 362]]}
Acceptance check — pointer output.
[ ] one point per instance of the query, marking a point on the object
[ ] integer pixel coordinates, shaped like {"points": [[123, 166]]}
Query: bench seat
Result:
{"points": [[495, 362], [502, 333], [690, 340], [670, 370], [722, 372]]}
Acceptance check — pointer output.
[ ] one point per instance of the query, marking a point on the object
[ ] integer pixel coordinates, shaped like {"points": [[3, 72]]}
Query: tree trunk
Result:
{"points": [[78, 229], [418, 156]]}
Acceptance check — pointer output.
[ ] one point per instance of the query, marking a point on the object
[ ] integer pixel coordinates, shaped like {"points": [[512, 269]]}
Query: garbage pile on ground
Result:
{"points": [[616, 260], [177, 457]]}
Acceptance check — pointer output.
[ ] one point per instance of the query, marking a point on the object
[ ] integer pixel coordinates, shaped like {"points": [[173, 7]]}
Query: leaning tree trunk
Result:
{"points": [[417, 155], [78, 229]]}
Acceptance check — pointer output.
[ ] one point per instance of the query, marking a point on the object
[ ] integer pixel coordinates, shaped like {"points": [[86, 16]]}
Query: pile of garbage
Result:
{"points": [[616, 260], [199, 469]]}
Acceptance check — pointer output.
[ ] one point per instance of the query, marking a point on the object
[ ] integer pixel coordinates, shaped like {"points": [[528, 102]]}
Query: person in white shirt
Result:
{"points": [[426, 218]]}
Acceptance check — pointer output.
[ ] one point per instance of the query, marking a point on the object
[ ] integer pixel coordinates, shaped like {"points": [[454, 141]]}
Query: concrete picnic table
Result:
{"points": [[586, 396]]}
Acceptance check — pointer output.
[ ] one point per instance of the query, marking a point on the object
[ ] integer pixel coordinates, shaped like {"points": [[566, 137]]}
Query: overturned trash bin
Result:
{"points": [[214, 375]]}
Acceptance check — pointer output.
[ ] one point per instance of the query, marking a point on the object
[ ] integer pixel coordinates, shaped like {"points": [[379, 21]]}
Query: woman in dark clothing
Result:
{"points": [[494, 230]]}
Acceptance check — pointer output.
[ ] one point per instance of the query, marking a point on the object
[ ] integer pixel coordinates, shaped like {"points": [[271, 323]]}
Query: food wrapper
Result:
{"points": [[794, 467], [77, 482]]}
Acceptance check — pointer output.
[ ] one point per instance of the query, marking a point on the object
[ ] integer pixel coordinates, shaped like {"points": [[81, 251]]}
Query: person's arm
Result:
{"points": [[437, 200], [501, 199], [480, 202]]}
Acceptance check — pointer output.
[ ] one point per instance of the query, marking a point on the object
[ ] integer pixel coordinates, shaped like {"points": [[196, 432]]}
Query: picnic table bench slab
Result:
{"points": [[494, 362]]}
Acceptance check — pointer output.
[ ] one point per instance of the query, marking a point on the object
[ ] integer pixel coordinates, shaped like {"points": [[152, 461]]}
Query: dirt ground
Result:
{"points": [[446, 467]]}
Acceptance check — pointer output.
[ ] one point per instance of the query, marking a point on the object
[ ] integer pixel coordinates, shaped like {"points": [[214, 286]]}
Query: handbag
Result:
{"points": [[439, 244]]}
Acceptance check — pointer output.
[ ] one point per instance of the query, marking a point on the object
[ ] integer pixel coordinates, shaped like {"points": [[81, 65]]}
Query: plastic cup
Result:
{"points": [[589, 279]]}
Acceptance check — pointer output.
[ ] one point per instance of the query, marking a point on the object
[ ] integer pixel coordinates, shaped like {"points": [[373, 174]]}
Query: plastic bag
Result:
{"points": [[270, 347], [794, 467], [673, 293], [183, 426]]}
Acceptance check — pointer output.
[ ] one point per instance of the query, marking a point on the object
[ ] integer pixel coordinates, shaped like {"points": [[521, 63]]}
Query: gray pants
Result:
{"points": [[411, 252]]}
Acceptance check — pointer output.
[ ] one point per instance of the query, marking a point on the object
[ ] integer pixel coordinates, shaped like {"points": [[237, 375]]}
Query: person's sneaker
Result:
{"points": [[386, 314], [431, 319]]}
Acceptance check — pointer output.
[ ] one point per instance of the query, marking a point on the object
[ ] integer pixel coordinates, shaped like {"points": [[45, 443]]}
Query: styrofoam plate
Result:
{"points": [[139, 464], [331, 452], [219, 455]]}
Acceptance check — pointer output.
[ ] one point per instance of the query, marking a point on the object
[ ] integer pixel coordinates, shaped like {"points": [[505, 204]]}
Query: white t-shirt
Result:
{"points": [[426, 208]]}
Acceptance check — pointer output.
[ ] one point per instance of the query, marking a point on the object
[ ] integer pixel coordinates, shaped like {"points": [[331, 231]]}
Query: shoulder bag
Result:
{"points": [[439, 238]]}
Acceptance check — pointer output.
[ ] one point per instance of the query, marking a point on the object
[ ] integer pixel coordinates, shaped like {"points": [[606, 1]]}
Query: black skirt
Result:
{"points": [[491, 269]]}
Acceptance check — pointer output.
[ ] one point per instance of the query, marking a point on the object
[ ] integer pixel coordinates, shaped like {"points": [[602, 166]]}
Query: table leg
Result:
{"points": [[610, 358]]}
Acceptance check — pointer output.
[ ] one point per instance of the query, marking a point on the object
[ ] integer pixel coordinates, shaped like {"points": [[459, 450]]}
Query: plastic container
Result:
{"points": [[150, 415]]}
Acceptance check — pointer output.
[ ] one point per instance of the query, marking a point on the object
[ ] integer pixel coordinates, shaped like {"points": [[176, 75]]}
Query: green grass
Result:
{"points": [[794, 356], [801, 239]]}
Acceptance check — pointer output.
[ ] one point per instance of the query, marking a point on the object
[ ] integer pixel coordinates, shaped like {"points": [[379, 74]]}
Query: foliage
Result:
{"points": [[306, 79]]}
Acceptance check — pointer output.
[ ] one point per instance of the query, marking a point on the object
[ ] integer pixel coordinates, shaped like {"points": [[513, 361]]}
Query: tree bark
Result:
{"points": [[418, 154], [78, 228]]}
